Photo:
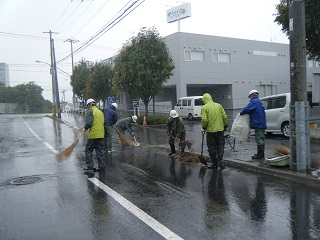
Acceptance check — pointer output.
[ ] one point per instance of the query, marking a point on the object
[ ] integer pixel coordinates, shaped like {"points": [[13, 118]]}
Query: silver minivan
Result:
{"points": [[277, 108]]}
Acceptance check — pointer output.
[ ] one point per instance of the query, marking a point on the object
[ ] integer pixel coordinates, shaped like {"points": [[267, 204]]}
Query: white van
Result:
{"points": [[189, 107]]}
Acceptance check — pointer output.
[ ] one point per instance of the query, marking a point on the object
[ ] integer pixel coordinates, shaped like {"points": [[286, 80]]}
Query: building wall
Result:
{"points": [[264, 66], [252, 65], [4, 74]]}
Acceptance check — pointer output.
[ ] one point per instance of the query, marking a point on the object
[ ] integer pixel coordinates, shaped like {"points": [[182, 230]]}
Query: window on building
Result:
{"points": [[221, 57], [191, 55], [310, 63], [264, 53], [266, 90]]}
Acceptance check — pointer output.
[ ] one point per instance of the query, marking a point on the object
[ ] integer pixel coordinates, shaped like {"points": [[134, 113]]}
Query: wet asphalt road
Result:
{"points": [[42, 198]]}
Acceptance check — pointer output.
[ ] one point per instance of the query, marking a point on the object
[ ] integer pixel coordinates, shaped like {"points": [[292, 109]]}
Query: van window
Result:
{"points": [[184, 102], [277, 102], [198, 102], [179, 103]]}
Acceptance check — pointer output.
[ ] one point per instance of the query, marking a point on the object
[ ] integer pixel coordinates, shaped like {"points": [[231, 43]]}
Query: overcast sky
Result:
{"points": [[24, 23]]}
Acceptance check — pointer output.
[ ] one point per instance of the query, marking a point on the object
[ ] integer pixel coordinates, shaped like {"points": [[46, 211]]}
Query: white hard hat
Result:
{"points": [[173, 114], [253, 91], [115, 105], [90, 100], [134, 118]]}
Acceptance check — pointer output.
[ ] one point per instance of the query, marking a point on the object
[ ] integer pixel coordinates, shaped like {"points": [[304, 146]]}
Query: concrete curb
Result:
{"points": [[296, 177]]}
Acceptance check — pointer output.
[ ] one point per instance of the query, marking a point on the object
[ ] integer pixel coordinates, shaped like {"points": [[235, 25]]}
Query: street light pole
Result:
{"points": [[53, 88]]}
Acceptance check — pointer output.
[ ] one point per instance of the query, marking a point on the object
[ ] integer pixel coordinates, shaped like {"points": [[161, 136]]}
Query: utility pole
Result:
{"points": [[299, 109], [55, 88], [56, 81], [74, 99]]}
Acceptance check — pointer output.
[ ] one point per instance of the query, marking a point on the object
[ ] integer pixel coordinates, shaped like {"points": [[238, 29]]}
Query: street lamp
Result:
{"points": [[53, 89]]}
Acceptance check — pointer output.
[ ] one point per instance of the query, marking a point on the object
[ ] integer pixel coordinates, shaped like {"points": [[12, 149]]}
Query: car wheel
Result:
{"points": [[190, 117], [285, 129]]}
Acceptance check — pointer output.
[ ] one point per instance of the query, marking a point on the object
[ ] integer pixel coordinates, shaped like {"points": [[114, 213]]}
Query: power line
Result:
{"points": [[61, 15], [69, 16], [22, 36], [76, 18], [106, 28]]}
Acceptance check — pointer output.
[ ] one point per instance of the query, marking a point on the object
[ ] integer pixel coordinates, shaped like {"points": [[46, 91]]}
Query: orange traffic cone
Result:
{"points": [[144, 121]]}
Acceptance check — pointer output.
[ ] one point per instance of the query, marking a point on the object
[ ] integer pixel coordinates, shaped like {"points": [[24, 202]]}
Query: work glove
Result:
{"points": [[225, 128], [203, 130]]}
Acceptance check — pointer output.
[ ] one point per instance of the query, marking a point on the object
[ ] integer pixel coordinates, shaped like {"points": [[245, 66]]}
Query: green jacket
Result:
{"points": [[124, 124], [95, 123], [175, 126], [213, 116]]}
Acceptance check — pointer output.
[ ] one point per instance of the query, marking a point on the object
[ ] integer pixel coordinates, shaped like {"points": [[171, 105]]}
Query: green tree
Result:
{"points": [[312, 20], [143, 65], [79, 79], [99, 85], [30, 97]]}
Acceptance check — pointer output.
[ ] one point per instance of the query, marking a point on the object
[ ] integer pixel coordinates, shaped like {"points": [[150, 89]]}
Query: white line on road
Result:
{"points": [[39, 138], [151, 222]]}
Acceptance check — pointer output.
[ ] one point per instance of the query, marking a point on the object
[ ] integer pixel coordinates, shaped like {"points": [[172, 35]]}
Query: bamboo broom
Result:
{"points": [[66, 153], [124, 140], [281, 149]]}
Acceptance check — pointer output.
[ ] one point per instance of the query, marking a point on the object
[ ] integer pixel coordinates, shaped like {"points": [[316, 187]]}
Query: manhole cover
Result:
{"points": [[27, 180]]}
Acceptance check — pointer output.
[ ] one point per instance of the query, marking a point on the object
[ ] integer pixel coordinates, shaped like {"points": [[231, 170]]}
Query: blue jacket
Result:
{"points": [[255, 110], [110, 116]]}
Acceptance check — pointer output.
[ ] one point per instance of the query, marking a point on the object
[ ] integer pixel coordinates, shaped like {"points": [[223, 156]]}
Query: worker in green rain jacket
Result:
{"points": [[214, 122]]}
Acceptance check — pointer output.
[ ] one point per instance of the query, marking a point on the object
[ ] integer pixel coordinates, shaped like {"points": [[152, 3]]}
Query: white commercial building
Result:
{"points": [[228, 68], [4, 74]]}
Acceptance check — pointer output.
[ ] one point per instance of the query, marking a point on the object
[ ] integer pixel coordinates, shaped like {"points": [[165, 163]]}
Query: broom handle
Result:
{"points": [[80, 135]]}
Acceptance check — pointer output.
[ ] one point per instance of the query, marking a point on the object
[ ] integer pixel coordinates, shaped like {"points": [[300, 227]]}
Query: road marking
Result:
{"points": [[151, 222], [39, 138]]}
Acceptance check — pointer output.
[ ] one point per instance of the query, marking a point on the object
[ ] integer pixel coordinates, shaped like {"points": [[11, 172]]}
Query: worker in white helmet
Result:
{"points": [[125, 124], [175, 129], [110, 118], [256, 111], [95, 125]]}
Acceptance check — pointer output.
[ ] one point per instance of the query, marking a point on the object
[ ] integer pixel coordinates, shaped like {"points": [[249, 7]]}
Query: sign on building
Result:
{"points": [[179, 12]]}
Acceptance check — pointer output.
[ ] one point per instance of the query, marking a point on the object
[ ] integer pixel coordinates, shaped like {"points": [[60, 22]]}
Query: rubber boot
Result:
{"points": [[214, 162], [182, 152], [260, 154], [220, 164], [255, 156], [173, 150]]}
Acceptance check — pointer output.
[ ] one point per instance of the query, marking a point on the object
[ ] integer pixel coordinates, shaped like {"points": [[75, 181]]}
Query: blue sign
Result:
{"points": [[111, 100]]}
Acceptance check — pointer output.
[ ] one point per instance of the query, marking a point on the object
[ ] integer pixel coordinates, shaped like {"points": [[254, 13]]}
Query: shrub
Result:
{"points": [[153, 120]]}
